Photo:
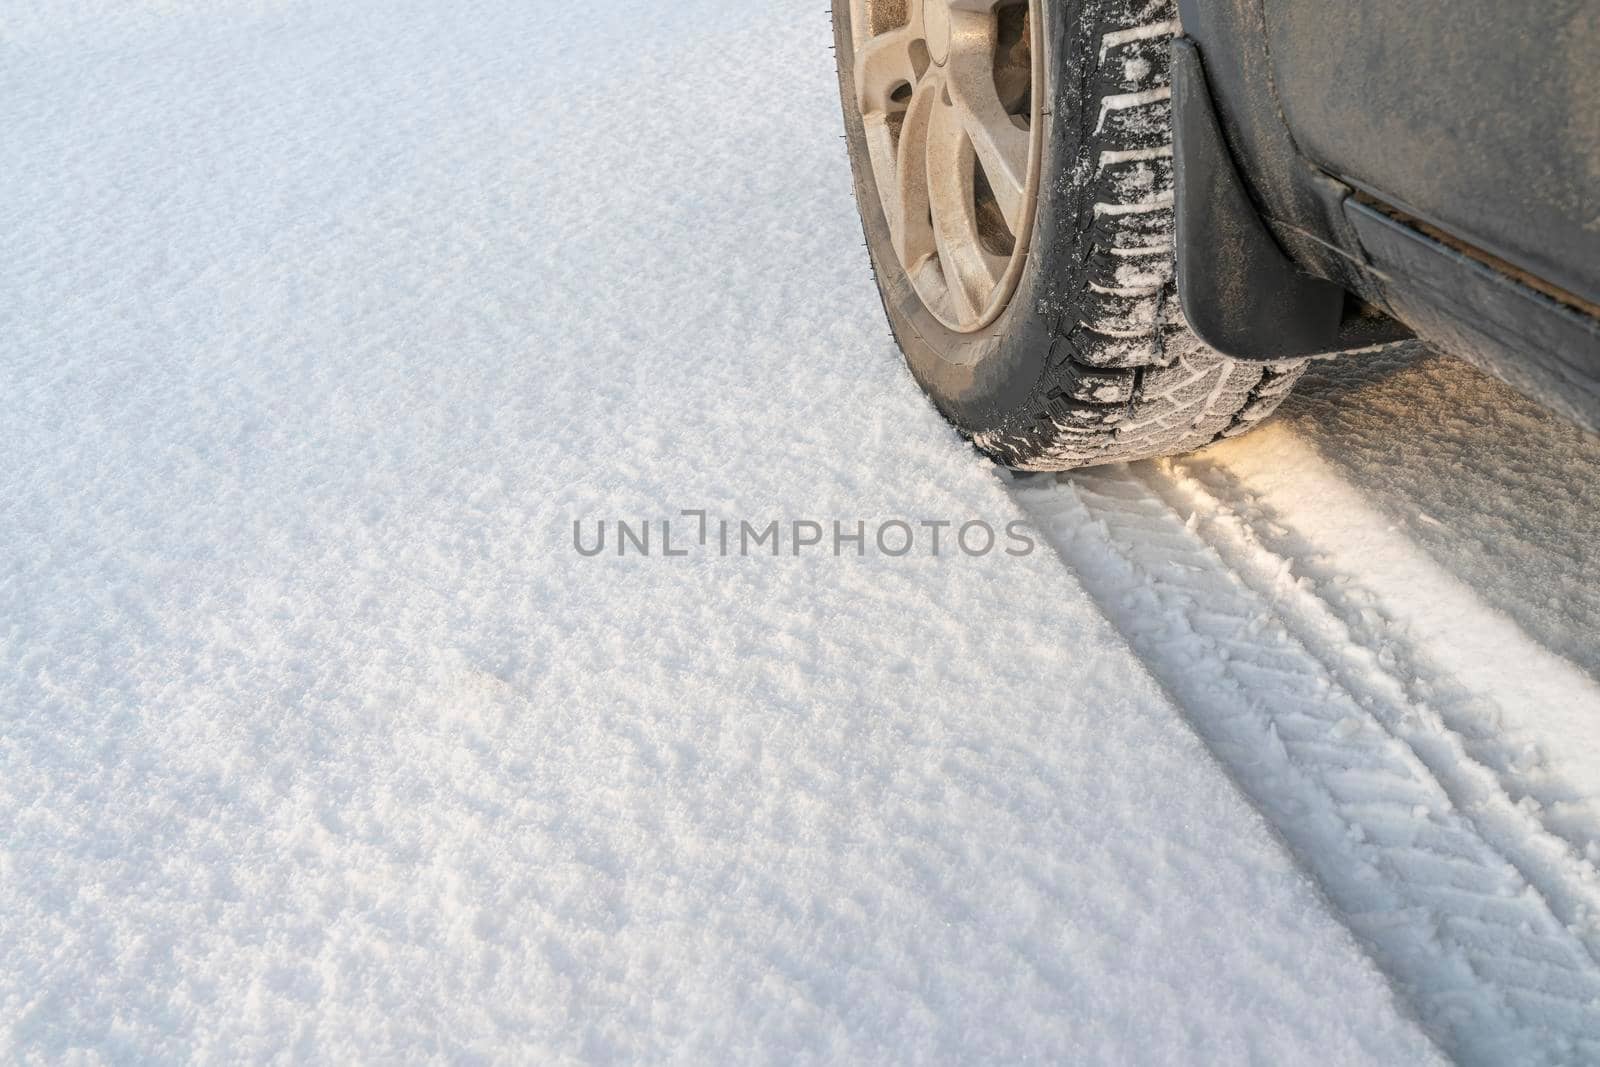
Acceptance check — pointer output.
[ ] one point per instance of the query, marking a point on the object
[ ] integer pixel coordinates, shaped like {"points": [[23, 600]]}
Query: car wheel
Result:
{"points": [[1013, 169]]}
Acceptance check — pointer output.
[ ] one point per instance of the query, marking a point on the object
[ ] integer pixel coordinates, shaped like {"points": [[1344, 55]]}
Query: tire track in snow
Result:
{"points": [[1532, 805], [1359, 751]]}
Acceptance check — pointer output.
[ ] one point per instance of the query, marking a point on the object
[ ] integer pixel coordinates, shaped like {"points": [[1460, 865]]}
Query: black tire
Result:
{"points": [[1091, 361]]}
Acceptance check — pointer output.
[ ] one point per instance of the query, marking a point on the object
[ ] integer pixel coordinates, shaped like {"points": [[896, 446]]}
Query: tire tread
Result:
{"points": [[1126, 379]]}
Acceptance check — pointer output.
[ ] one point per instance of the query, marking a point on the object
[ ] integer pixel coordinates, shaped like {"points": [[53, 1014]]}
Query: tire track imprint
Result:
{"points": [[1417, 822]]}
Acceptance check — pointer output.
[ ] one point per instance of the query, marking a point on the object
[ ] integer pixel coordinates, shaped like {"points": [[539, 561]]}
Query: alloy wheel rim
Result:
{"points": [[949, 97]]}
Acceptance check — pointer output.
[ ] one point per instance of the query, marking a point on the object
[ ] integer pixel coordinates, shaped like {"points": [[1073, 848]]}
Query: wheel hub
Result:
{"points": [[949, 100]]}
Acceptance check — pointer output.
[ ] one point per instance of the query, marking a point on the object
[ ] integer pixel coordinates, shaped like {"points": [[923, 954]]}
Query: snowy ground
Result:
{"points": [[319, 326]]}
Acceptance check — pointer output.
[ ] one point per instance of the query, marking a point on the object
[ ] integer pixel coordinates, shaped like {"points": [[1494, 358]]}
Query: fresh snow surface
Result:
{"points": [[322, 323], [319, 326]]}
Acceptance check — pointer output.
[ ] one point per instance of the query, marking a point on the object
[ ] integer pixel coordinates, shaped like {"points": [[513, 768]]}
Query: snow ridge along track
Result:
{"points": [[1468, 877]]}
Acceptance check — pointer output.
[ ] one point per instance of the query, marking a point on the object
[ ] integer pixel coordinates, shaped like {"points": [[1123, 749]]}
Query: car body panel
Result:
{"points": [[1440, 160], [1480, 116]]}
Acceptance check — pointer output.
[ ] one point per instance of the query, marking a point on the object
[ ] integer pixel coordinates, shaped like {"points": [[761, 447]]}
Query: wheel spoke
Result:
{"points": [[970, 271], [909, 214], [949, 162], [883, 64], [1002, 146]]}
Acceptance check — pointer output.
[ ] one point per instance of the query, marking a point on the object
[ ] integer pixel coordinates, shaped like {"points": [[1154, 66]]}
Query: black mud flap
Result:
{"points": [[1241, 294]]}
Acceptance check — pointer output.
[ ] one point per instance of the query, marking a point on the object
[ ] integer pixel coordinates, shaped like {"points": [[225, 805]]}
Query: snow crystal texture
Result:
{"points": [[319, 324]]}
